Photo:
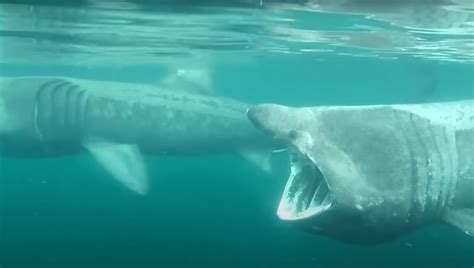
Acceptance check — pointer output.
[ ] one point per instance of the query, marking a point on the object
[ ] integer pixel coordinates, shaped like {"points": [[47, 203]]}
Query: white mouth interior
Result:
{"points": [[306, 192]]}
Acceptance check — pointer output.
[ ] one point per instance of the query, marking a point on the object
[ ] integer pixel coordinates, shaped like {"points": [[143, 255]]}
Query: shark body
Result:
{"points": [[368, 174], [116, 122]]}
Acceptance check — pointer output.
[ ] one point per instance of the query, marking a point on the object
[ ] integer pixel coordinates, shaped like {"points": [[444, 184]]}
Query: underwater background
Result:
{"points": [[218, 210]]}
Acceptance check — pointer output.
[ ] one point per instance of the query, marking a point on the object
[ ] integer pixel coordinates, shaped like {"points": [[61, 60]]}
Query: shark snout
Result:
{"points": [[256, 115], [267, 117]]}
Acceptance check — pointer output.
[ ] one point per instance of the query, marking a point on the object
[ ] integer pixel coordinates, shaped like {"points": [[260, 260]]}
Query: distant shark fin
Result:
{"points": [[461, 218], [189, 80], [123, 161], [258, 157]]}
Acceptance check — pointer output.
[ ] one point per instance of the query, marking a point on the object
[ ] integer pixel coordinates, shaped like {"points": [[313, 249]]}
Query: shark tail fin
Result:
{"points": [[462, 218]]}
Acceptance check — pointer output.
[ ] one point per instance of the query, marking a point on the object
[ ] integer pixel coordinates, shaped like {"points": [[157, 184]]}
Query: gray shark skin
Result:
{"points": [[368, 174], [116, 122]]}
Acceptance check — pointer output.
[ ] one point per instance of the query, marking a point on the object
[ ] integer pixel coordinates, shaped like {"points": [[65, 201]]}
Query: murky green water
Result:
{"points": [[219, 210]]}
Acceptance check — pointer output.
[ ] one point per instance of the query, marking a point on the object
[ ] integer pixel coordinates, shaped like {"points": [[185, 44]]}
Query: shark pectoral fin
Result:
{"points": [[123, 161], [189, 80], [258, 157], [461, 218]]}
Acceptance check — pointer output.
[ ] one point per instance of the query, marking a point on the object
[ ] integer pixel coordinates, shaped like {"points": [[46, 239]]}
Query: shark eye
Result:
{"points": [[292, 134]]}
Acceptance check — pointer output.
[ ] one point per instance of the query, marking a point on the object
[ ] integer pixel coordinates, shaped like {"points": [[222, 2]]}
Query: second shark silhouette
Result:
{"points": [[116, 122]]}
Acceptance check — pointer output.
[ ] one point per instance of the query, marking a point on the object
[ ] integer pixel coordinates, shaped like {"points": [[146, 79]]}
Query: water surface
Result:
{"points": [[220, 211]]}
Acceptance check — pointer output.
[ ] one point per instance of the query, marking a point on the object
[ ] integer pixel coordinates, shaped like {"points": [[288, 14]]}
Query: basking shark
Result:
{"points": [[367, 174], [117, 122]]}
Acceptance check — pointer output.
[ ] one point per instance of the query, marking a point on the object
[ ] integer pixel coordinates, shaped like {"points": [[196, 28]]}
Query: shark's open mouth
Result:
{"points": [[306, 192]]}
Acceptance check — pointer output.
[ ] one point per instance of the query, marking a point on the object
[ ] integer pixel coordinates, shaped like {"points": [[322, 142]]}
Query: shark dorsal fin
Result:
{"points": [[193, 81]]}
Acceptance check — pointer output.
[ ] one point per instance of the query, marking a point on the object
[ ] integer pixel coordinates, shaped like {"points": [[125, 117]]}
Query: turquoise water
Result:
{"points": [[219, 210]]}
